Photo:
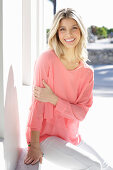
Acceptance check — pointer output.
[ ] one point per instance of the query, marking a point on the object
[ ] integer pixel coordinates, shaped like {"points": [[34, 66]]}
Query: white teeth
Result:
{"points": [[70, 40]]}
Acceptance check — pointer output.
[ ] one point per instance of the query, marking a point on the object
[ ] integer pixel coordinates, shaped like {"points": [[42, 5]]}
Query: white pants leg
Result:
{"points": [[83, 145], [58, 152]]}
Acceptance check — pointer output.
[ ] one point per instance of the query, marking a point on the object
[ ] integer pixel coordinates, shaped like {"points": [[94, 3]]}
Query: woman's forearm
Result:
{"points": [[35, 137], [34, 151]]}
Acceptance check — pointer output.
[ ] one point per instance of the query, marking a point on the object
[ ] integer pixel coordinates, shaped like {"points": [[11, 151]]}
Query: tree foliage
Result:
{"points": [[101, 32]]}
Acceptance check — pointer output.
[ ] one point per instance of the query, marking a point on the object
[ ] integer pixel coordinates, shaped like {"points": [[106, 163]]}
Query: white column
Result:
{"points": [[1, 75], [38, 34], [34, 36], [41, 32], [26, 42]]}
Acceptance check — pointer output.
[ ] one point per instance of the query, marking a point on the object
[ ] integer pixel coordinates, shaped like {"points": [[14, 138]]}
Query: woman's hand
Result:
{"points": [[34, 155], [45, 94]]}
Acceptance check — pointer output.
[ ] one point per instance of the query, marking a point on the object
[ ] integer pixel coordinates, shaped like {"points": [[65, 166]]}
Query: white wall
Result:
{"points": [[12, 76], [1, 76]]}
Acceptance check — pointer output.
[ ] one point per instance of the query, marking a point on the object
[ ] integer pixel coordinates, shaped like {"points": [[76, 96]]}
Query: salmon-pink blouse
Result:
{"points": [[74, 89]]}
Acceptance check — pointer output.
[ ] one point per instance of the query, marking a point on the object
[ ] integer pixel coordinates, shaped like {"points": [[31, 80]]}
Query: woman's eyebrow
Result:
{"points": [[61, 26], [75, 25]]}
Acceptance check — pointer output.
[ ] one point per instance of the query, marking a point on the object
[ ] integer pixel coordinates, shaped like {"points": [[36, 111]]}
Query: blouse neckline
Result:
{"points": [[79, 66]]}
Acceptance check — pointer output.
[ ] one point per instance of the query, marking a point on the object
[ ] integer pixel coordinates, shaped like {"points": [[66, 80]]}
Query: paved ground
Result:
{"points": [[101, 44], [103, 80]]}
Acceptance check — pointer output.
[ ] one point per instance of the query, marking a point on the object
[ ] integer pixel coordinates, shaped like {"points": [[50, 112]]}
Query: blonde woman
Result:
{"points": [[62, 96]]}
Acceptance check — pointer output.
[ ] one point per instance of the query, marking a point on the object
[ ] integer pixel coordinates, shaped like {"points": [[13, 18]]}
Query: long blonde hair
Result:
{"points": [[54, 42]]}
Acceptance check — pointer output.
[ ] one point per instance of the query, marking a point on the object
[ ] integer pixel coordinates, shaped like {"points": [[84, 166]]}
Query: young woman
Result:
{"points": [[62, 95]]}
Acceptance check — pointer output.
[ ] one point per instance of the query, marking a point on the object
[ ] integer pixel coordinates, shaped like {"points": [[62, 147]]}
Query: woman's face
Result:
{"points": [[69, 32]]}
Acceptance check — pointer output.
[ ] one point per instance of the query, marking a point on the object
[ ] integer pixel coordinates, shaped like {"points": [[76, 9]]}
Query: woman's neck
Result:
{"points": [[69, 55]]}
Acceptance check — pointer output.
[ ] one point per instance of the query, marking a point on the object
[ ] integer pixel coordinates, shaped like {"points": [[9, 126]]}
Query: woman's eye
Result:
{"points": [[62, 29], [75, 28]]}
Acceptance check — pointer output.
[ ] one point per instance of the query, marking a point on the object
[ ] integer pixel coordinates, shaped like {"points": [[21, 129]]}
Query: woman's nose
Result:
{"points": [[69, 32]]}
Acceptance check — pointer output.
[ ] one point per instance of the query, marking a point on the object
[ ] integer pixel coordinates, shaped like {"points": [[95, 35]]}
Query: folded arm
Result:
{"points": [[80, 108]]}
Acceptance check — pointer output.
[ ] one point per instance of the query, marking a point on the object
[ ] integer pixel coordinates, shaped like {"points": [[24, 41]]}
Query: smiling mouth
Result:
{"points": [[69, 40]]}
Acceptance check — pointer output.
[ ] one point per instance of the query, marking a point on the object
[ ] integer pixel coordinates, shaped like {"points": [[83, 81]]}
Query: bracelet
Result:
{"points": [[29, 145]]}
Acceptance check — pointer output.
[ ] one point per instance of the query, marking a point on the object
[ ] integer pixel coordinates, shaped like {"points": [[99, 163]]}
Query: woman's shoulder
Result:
{"points": [[45, 59], [87, 70], [47, 55], [86, 67]]}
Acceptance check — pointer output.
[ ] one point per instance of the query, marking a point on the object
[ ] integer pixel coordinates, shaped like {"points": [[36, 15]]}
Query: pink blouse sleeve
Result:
{"points": [[41, 70], [79, 109]]}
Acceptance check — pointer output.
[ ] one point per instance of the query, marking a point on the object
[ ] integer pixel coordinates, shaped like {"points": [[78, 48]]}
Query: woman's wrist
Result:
{"points": [[34, 144], [54, 99], [35, 138]]}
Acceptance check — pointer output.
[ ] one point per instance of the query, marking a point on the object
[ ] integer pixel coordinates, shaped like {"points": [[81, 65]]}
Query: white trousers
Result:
{"points": [[67, 155]]}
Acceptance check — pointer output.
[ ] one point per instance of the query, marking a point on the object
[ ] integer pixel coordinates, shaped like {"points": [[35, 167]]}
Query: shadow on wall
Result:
{"points": [[12, 129]]}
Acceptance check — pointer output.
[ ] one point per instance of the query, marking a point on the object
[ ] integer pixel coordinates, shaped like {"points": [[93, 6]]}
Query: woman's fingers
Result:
{"points": [[36, 87], [40, 160], [35, 161], [36, 93], [28, 161], [32, 161]]}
